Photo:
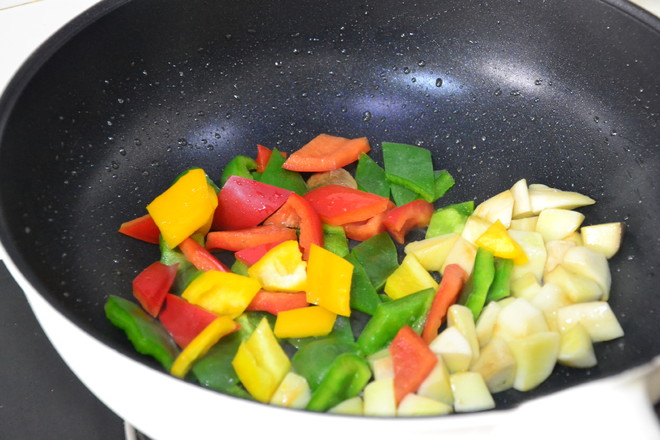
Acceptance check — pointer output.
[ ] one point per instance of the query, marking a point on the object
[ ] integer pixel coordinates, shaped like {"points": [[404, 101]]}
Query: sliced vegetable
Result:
{"points": [[263, 156], [412, 360], [297, 212], [281, 268], [346, 378], [449, 219], [260, 363], [411, 167], [199, 346], [247, 238], [497, 240], [152, 284], [370, 177], [480, 281], [223, 293], [338, 205], [334, 240], [443, 183], [335, 177], [245, 203], [147, 335], [501, 285], [143, 228], [276, 175], [326, 152], [313, 360], [276, 302], [364, 297], [329, 281], [202, 259], [409, 277], [304, 322], [400, 220], [364, 230], [378, 256], [184, 208], [241, 166], [184, 321], [251, 255], [447, 294]]}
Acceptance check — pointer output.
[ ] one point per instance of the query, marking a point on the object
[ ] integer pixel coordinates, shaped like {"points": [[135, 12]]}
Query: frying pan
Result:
{"points": [[104, 115]]}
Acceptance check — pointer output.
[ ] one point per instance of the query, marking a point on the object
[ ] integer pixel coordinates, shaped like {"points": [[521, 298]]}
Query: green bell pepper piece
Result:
{"points": [[334, 240], [185, 273], [378, 256], [391, 316], [370, 177], [410, 167], [346, 378], [482, 277], [313, 360], [443, 182], [364, 297], [241, 166], [402, 195], [501, 286], [275, 175], [147, 335], [449, 219], [240, 268], [214, 370]]}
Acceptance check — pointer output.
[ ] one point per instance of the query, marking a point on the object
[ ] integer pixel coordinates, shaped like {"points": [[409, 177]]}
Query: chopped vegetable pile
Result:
{"points": [[491, 299]]}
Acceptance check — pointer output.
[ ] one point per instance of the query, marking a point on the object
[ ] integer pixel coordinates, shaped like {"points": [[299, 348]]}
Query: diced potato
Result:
{"points": [[381, 364], [576, 349], [499, 207], [470, 392], [462, 253], [432, 252], [454, 349], [534, 247], [524, 224], [486, 322], [575, 237], [589, 264], [556, 250], [550, 299], [575, 286], [293, 392], [462, 318], [474, 228], [436, 385], [555, 224], [519, 319], [353, 407], [415, 405], [536, 356], [379, 398], [604, 238], [596, 317], [522, 206], [542, 197], [525, 287], [496, 365]]}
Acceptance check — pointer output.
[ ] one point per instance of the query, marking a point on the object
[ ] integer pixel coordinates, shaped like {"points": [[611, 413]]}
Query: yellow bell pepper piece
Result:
{"points": [[198, 347], [184, 208], [261, 364], [304, 322], [329, 279], [223, 293], [281, 269], [409, 277], [497, 240]]}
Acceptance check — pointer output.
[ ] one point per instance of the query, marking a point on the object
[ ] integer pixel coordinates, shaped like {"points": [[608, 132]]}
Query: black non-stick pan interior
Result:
{"points": [[103, 117]]}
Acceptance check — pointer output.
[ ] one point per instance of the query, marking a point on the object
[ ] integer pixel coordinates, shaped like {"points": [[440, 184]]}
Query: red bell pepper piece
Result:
{"points": [[152, 284], [400, 220], [447, 294], [326, 153], [338, 205], [364, 230], [183, 320], [143, 228], [298, 213], [246, 238], [200, 257], [412, 360], [275, 302], [244, 203], [263, 156], [253, 254]]}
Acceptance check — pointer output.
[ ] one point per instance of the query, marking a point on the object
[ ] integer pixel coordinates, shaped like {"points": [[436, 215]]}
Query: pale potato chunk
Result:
{"points": [[415, 405], [596, 317], [536, 356], [470, 392]]}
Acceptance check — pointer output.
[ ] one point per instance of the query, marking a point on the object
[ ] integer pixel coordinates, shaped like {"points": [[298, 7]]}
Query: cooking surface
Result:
{"points": [[38, 394]]}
